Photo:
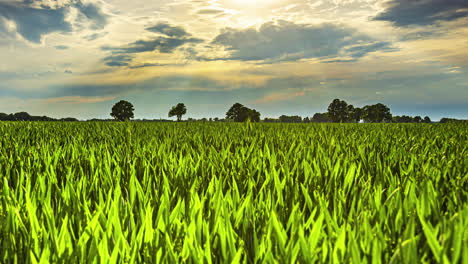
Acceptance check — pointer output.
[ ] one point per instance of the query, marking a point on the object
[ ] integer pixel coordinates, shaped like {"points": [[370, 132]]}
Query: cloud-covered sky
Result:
{"points": [[78, 57]]}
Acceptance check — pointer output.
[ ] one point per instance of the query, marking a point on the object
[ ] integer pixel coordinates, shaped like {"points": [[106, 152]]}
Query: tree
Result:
{"points": [[306, 120], [452, 120], [240, 113], [417, 119], [234, 112], [427, 120], [377, 113], [122, 111], [290, 119], [22, 116], [402, 119], [249, 114], [356, 114], [270, 120], [179, 110], [4, 117], [321, 118], [338, 111]]}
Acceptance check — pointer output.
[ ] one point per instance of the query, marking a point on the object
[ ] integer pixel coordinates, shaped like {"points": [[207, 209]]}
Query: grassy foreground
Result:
{"points": [[233, 193]]}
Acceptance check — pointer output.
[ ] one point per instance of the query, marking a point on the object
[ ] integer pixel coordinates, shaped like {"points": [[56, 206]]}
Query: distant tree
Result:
{"points": [[250, 114], [356, 114], [403, 119], [306, 120], [234, 112], [377, 113], [179, 110], [338, 111], [3, 117], [290, 119], [22, 116], [427, 120], [216, 119], [270, 120], [321, 118], [417, 119], [69, 119], [240, 113], [122, 111], [452, 120]]}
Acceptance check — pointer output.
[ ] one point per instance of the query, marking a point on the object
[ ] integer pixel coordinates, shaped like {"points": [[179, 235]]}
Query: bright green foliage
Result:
{"points": [[233, 193]]}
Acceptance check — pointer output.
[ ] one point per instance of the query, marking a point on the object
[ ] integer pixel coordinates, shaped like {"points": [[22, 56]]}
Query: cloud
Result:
{"points": [[175, 37], [166, 83], [117, 60], [93, 13], [280, 96], [145, 65], [287, 41], [360, 50], [210, 11], [77, 99], [34, 19], [422, 12], [95, 36], [33, 23], [61, 47], [169, 30], [161, 44]]}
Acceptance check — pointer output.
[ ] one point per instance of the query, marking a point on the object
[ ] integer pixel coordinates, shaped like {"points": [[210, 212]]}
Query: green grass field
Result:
{"points": [[233, 193]]}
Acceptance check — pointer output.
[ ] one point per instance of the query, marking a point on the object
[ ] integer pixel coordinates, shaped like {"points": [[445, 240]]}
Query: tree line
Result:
{"points": [[338, 111], [24, 116]]}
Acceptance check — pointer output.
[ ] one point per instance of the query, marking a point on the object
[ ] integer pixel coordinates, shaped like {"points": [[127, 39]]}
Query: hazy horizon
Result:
{"points": [[77, 58]]}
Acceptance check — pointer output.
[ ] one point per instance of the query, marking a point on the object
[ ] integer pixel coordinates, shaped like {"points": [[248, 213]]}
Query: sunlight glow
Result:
{"points": [[257, 4]]}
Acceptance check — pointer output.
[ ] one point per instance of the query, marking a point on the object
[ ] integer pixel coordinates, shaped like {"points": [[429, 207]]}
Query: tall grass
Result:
{"points": [[233, 193]]}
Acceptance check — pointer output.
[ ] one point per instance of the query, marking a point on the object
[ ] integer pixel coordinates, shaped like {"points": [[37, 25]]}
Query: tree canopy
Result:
{"points": [[377, 113], [122, 111], [290, 119], [339, 111], [321, 118], [240, 113], [179, 110]]}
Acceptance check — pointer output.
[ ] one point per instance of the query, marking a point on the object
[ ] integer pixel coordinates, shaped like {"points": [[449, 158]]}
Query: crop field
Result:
{"points": [[233, 193]]}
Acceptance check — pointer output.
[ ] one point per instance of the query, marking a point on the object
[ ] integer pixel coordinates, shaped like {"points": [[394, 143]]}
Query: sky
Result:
{"points": [[77, 58]]}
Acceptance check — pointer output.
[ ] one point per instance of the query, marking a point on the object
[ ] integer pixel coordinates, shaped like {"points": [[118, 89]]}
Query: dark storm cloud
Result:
{"points": [[34, 20], [169, 30], [285, 41], [423, 12]]}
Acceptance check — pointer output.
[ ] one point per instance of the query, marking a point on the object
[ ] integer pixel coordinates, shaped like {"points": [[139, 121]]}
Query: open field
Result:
{"points": [[233, 193]]}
